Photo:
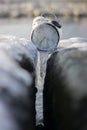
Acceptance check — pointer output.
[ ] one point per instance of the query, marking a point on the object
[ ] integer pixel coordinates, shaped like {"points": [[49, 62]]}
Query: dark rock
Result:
{"points": [[18, 58], [65, 89], [17, 95], [40, 127]]}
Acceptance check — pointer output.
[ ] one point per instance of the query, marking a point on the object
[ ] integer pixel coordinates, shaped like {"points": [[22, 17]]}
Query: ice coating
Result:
{"points": [[73, 42], [41, 71], [43, 63], [37, 21], [45, 36], [17, 47], [12, 77]]}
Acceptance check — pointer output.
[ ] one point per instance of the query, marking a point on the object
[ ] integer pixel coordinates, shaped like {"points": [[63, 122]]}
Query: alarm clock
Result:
{"points": [[45, 34]]}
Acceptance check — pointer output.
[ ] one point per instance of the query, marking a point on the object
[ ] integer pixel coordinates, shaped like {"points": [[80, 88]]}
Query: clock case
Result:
{"points": [[37, 22]]}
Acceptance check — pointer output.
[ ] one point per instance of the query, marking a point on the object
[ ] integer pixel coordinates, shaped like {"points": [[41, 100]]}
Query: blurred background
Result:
{"points": [[16, 16]]}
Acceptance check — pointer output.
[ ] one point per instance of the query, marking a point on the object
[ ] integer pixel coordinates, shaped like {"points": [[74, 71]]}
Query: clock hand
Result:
{"points": [[42, 40]]}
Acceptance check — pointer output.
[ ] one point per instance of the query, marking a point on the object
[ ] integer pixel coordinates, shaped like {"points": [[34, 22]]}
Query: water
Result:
{"points": [[17, 27], [74, 28], [22, 28]]}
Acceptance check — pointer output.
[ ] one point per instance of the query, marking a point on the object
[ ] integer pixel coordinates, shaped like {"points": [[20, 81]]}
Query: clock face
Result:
{"points": [[45, 37]]}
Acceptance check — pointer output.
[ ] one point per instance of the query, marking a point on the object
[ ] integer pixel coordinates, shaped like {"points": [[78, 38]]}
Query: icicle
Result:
{"points": [[43, 64], [45, 35], [41, 72]]}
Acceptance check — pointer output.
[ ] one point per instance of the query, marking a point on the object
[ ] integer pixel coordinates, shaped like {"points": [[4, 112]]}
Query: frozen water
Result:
{"points": [[45, 37], [43, 63], [41, 71]]}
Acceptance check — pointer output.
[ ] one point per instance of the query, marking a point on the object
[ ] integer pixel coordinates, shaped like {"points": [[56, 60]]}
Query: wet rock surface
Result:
{"points": [[65, 89], [17, 84]]}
